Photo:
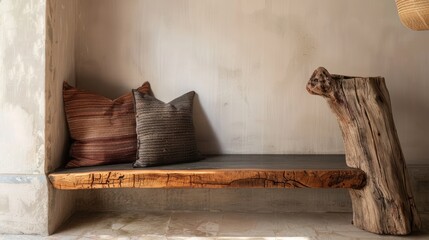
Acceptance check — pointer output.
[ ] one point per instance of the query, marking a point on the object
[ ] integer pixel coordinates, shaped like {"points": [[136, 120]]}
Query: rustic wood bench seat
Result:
{"points": [[223, 171]]}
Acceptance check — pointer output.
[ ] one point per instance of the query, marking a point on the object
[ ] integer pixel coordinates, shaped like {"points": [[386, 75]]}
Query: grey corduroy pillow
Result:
{"points": [[165, 131]]}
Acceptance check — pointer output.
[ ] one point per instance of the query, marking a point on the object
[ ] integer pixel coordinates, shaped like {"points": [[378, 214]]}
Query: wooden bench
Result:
{"points": [[376, 175], [225, 171]]}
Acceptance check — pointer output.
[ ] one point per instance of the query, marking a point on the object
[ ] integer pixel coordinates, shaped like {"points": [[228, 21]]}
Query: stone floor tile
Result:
{"points": [[191, 238], [294, 232], [117, 225], [214, 226], [194, 224], [152, 237], [20, 237], [82, 223], [338, 222], [148, 224], [246, 238], [296, 238], [344, 236], [299, 224], [248, 225]]}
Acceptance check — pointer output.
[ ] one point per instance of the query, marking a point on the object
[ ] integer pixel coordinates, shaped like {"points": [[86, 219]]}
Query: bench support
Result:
{"points": [[363, 109]]}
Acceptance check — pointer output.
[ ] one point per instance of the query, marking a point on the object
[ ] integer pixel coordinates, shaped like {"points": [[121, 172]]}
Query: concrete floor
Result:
{"points": [[214, 226]]}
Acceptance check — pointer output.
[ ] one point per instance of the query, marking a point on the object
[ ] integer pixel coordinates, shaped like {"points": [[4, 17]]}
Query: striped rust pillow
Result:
{"points": [[103, 130], [165, 131]]}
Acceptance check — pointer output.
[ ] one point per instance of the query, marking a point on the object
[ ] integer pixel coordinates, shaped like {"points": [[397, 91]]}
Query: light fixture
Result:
{"points": [[414, 14]]}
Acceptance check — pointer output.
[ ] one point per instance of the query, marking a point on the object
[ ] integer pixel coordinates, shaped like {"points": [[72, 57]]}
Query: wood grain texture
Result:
{"points": [[216, 173], [363, 109], [414, 14]]}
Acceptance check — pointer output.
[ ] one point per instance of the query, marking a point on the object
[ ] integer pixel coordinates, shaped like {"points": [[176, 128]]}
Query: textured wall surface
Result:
{"points": [[60, 66], [217, 200], [22, 86], [249, 61], [23, 185]]}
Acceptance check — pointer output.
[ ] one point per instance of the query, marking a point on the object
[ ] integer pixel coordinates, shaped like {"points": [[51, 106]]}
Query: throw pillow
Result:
{"points": [[165, 131], [103, 130]]}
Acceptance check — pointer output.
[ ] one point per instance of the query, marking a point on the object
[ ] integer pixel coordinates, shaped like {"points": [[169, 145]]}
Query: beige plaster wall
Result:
{"points": [[249, 61], [60, 67], [37, 49], [23, 184]]}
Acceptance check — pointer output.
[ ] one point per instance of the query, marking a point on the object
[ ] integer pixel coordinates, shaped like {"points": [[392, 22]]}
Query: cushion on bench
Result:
{"points": [[165, 131], [103, 130]]}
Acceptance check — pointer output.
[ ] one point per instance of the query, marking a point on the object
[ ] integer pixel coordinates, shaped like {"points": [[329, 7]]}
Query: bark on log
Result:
{"points": [[363, 109]]}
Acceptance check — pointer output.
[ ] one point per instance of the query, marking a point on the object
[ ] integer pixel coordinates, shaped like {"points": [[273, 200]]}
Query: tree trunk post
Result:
{"points": [[363, 109]]}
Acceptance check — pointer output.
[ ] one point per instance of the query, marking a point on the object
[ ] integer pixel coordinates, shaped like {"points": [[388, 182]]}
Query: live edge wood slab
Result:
{"points": [[363, 110], [225, 171]]}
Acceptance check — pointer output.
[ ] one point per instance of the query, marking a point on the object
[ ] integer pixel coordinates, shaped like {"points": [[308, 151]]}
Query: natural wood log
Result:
{"points": [[363, 109], [218, 172]]}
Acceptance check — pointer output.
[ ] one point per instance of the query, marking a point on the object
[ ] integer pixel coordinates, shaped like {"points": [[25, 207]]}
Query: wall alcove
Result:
{"points": [[249, 62]]}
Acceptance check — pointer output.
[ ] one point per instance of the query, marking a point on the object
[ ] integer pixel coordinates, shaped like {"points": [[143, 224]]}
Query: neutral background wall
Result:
{"points": [[249, 60], [23, 184], [37, 48], [60, 66]]}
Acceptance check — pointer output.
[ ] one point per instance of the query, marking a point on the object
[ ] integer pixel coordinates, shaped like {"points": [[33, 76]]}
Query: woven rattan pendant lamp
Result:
{"points": [[414, 14]]}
